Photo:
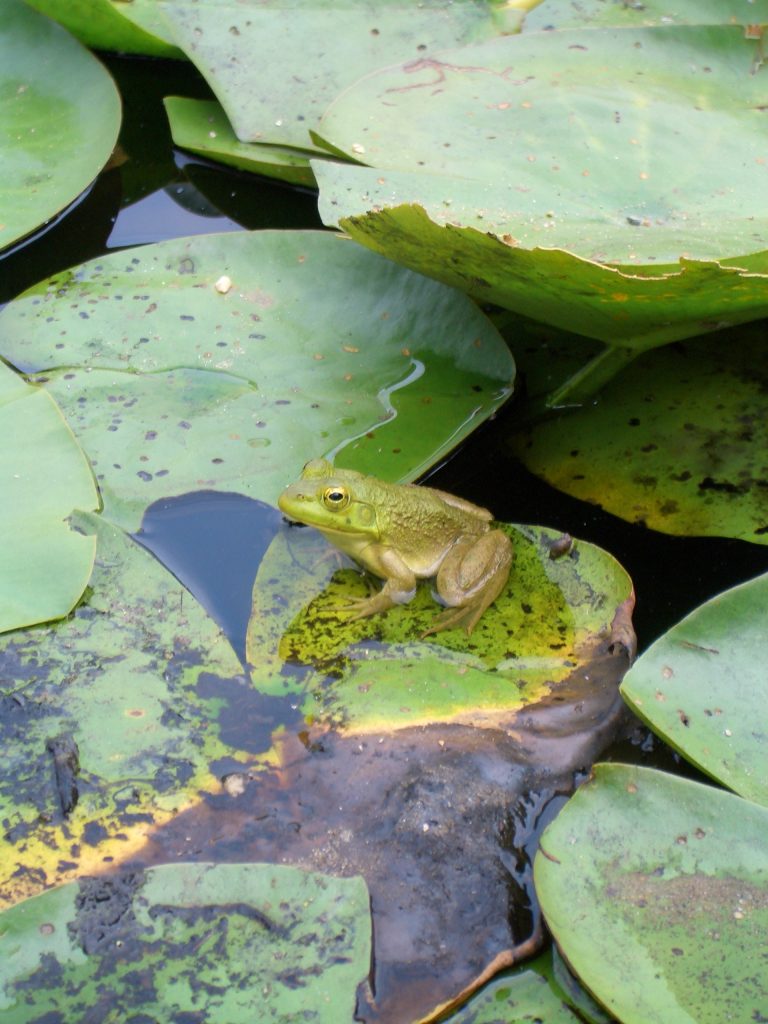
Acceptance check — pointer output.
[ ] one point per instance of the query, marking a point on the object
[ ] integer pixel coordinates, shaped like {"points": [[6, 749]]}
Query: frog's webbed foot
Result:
{"points": [[473, 574], [395, 591]]}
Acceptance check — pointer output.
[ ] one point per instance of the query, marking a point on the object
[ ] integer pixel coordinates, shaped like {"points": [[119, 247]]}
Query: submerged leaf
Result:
{"points": [[701, 684], [210, 941], [227, 361], [654, 887], [45, 564], [59, 119]]}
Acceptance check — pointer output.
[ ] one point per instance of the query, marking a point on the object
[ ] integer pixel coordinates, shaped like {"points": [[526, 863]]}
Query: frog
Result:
{"points": [[403, 533]]}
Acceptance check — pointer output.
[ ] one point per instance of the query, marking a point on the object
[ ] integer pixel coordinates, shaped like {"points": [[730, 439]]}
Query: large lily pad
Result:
{"points": [[202, 127], [700, 684], [59, 119], [215, 940], [569, 176], [276, 66], [225, 362], [135, 27], [45, 564], [655, 889], [119, 680], [678, 442]]}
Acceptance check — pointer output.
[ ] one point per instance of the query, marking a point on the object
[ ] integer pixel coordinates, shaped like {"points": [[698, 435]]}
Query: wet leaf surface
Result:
{"points": [[59, 119], [276, 67], [703, 686], [188, 941], [561, 14], [135, 27], [225, 362], [655, 889], [45, 564], [676, 442]]}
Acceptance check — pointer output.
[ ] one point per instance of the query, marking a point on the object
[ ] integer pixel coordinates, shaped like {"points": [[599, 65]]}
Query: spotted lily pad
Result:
{"points": [[59, 119], [45, 564], [700, 685], [225, 362], [568, 176], [275, 67], [654, 887], [677, 443], [105, 729], [215, 940]]}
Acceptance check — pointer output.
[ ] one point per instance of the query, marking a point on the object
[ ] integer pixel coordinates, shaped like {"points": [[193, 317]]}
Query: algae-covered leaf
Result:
{"points": [[569, 176], [677, 442], [219, 941], [59, 119], [227, 361], [45, 564], [548, 633], [119, 680], [655, 889], [202, 127], [135, 27], [276, 66], [701, 684]]}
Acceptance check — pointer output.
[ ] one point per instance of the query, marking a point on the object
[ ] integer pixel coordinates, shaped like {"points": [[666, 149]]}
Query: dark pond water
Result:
{"points": [[213, 542]]}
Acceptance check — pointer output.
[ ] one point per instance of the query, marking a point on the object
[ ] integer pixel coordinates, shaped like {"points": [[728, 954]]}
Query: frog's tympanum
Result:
{"points": [[403, 533]]}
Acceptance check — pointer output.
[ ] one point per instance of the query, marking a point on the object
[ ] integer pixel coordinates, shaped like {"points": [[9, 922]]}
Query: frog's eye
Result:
{"points": [[336, 498]]}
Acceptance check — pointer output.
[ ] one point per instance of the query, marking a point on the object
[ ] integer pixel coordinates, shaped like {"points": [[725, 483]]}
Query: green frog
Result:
{"points": [[403, 533]]}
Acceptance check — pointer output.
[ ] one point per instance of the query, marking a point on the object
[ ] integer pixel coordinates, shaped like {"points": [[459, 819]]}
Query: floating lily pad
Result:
{"points": [[549, 631], [119, 680], [597, 13], [225, 362], [677, 442], [568, 176], [213, 941], [700, 684], [59, 119], [134, 27], [655, 889], [202, 127], [275, 67], [517, 999], [45, 564]]}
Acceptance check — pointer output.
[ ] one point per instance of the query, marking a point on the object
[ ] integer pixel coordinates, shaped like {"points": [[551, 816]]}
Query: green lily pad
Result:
{"points": [[700, 684], [655, 889], [519, 998], [59, 119], [676, 443], [225, 362], [568, 176], [134, 27], [119, 678], [213, 942], [275, 67], [548, 632], [202, 127], [45, 564], [597, 13]]}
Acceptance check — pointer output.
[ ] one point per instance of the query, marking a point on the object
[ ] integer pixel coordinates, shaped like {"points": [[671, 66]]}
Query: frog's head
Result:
{"points": [[335, 501]]}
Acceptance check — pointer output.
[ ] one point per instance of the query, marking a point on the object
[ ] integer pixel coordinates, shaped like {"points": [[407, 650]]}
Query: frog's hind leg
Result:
{"points": [[471, 577]]}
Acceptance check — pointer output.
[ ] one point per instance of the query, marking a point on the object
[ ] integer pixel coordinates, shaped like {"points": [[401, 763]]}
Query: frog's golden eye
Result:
{"points": [[336, 498]]}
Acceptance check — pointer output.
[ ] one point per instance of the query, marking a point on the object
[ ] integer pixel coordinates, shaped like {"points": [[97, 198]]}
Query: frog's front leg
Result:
{"points": [[472, 575], [399, 588]]}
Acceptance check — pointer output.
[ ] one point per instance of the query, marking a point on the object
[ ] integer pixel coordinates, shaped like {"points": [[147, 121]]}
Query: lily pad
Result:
{"points": [[119, 680], [135, 27], [561, 14], [59, 119], [214, 941], [568, 176], [276, 66], [45, 564], [520, 998], [699, 685], [224, 362], [655, 889], [548, 632], [202, 127], [677, 442]]}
